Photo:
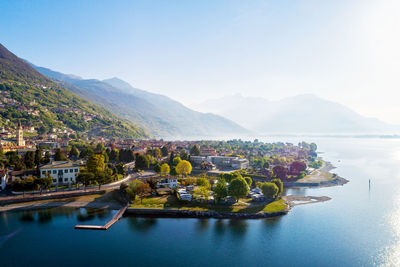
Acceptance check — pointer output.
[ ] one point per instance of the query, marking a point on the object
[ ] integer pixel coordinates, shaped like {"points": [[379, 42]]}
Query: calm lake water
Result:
{"points": [[359, 226]]}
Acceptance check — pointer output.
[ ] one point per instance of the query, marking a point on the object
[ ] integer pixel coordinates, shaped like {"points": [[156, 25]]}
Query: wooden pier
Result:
{"points": [[107, 225]]}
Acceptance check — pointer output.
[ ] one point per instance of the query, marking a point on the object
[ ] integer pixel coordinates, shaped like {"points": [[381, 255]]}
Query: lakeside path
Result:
{"points": [[108, 200]]}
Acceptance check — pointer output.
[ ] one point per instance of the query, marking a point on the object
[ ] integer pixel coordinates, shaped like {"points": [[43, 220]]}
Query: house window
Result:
{"points": [[54, 180], [66, 180], [54, 172], [76, 170], [71, 170], [43, 172], [66, 170]]}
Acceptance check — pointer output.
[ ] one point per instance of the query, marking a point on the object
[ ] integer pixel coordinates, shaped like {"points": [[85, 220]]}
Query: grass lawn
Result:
{"points": [[243, 206]]}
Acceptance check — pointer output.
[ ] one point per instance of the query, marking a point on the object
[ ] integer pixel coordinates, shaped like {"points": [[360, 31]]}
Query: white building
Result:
{"points": [[62, 172], [168, 181]]}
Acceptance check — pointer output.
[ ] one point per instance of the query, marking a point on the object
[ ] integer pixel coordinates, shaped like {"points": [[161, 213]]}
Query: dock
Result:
{"points": [[107, 225]]}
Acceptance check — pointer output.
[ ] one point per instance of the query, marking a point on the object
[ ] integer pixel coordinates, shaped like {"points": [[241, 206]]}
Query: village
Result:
{"points": [[205, 175]]}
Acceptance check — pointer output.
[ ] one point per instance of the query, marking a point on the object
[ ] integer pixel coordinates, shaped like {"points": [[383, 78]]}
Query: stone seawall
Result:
{"points": [[200, 214]]}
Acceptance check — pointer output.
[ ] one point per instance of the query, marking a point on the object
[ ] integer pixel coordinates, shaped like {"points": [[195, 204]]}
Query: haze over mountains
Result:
{"points": [[302, 114], [157, 114]]}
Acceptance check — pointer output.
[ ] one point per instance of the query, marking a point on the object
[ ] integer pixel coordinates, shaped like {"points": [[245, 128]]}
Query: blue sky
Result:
{"points": [[346, 51]]}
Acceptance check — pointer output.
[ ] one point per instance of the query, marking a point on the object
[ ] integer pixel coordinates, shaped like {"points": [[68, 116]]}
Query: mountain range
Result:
{"points": [[301, 114], [37, 101], [157, 114]]}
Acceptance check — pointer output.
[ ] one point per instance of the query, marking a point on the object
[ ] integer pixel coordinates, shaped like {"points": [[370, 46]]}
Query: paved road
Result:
{"points": [[114, 185]]}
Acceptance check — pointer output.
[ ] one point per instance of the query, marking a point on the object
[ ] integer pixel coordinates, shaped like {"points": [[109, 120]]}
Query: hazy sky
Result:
{"points": [[347, 51]]}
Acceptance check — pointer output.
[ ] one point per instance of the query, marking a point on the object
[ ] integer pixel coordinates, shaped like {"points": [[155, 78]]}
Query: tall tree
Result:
{"points": [[142, 162], [29, 159], [59, 156], [46, 158], [164, 151], [279, 184], [95, 164], [195, 150], [74, 152], [165, 169], [220, 190], [238, 188], [270, 190], [38, 157], [184, 168]]}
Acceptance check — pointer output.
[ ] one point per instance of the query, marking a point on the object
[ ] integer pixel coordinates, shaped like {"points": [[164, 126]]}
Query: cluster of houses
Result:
{"points": [[220, 162]]}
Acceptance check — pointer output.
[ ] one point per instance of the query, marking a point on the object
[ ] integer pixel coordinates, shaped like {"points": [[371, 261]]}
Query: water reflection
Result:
{"points": [[45, 216], [27, 216], [89, 214], [238, 227], [219, 227], [202, 224], [390, 256], [141, 224]]}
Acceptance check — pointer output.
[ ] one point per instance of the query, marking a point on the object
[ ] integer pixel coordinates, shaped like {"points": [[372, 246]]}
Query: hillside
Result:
{"points": [[158, 114], [37, 101], [302, 114]]}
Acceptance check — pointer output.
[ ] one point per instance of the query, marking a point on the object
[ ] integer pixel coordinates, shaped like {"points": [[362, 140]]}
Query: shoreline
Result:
{"points": [[318, 178], [290, 201]]}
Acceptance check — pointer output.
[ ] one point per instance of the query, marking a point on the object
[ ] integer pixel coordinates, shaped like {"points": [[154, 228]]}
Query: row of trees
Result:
{"points": [[32, 183], [98, 171], [31, 159]]}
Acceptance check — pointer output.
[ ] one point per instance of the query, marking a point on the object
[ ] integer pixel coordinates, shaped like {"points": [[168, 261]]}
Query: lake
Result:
{"points": [[359, 226]]}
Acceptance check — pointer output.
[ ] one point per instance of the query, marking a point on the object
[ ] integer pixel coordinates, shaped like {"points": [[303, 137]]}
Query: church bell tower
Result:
{"points": [[20, 135]]}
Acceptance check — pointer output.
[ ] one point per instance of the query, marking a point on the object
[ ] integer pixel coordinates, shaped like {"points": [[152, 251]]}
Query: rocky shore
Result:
{"points": [[171, 213]]}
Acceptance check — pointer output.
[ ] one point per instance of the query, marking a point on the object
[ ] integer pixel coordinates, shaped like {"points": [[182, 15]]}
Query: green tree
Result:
{"points": [[86, 153], [46, 158], [46, 181], [202, 181], [156, 153], [59, 156], [184, 168], [176, 160], [121, 169], [86, 178], [249, 181], [238, 188], [157, 168], [201, 192], [38, 157], [114, 155], [29, 159], [279, 184], [220, 190], [142, 162], [95, 164], [195, 150], [164, 151], [165, 169], [173, 171], [270, 190], [74, 152], [100, 148], [137, 188]]}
